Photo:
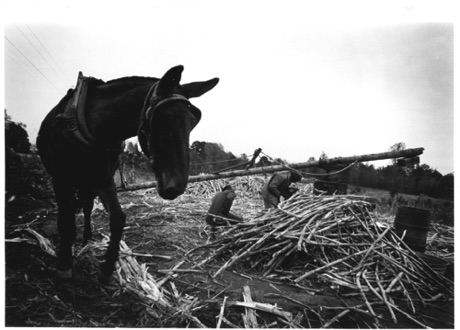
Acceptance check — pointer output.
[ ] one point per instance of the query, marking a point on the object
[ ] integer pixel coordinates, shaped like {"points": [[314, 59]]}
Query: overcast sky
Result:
{"points": [[297, 78]]}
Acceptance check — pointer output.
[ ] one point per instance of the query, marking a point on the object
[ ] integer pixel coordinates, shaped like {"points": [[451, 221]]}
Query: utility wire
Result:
{"points": [[312, 174], [21, 64], [40, 53], [33, 65], [13, 59], [52, 58], [217, 162], [18, 60]]}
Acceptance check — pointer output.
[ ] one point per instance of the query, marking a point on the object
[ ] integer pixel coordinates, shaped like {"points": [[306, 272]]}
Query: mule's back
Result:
{"points": [[66, 157], [51, 130]]}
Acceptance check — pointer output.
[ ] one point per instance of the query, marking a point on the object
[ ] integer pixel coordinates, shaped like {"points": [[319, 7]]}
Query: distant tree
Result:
{"points": [[323, 156], [397, 147], [448, 186], [16, 136], [263, 161], [209, 157], [427, 181], [315, 170], [279, 161], [198, 146], [395, 178]]}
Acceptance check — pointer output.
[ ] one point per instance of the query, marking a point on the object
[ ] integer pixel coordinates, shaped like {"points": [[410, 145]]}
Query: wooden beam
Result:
{"points": [[407, 153]]}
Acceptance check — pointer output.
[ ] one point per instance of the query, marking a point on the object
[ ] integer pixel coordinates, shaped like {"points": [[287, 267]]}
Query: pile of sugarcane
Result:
{"points": [[440, 240], [245, 186], [334, 240], [248, 186]]}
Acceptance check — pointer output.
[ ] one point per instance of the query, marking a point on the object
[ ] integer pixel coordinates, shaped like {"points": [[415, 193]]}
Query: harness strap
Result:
{"points": [[80, 99], [147, 113], [172, 97], [78, 131]]}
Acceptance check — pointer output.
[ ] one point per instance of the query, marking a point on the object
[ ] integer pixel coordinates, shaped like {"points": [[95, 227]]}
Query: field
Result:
{"points": [[442, 211], [158, 236]]}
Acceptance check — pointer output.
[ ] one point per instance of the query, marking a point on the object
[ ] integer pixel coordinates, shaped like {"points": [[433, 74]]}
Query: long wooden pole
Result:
{"points": [[407, 153]]}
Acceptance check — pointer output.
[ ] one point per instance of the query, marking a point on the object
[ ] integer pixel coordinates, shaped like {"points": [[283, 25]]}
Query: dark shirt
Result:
{"points": [[278, 185], [221, 204]]}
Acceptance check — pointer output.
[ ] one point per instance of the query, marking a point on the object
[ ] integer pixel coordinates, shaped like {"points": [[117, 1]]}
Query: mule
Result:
{"points": [[81, 138]]}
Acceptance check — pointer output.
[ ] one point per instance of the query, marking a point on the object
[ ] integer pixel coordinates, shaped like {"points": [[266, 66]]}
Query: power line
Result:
{"points": [[41, 55], [21, 62], [52, 58], [13, 59], [217, 162], [33, 64]]}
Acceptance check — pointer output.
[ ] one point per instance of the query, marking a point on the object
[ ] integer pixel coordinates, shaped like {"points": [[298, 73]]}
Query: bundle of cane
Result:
{"points": [[440, 240], [248, 186], [332, 239], [159, 300], [205, 188]]}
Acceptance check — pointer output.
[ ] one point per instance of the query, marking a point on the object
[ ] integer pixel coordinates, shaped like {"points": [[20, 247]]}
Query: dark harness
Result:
{"points": [[148, 112], [77, 131]]}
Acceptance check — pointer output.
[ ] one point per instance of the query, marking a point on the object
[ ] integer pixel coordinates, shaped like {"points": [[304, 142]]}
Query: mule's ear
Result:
{"points": [[170, 80], [196, 89]]}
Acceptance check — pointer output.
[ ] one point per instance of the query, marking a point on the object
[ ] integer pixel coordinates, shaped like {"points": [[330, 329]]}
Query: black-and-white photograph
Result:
{"points": [[228, 164]]}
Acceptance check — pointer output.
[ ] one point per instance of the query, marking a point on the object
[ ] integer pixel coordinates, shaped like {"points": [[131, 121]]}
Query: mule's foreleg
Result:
{"points": [[86, 196], [117, 222], [65, 199], [87, 232], [87, 209]]}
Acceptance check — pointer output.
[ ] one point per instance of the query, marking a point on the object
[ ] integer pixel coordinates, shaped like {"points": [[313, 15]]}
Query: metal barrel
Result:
{"points": [[415, 223]]}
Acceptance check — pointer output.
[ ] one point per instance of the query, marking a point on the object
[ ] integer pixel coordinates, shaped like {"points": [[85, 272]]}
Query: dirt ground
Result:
{"points": [[167, 229]]}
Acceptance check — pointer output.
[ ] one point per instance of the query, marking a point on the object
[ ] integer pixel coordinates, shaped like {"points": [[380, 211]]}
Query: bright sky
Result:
{"points": [[296, 78]]}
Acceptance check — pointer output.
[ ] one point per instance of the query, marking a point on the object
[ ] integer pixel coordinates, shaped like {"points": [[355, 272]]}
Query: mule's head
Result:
{"points": [[167, 119]]}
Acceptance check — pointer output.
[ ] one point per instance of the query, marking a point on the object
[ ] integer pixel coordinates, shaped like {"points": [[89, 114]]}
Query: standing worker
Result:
{"points": [[220, 208], [278, 186]]}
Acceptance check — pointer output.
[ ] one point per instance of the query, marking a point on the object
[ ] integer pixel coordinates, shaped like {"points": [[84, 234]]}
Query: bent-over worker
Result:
{"points": [[278, 186], [220, 206]]}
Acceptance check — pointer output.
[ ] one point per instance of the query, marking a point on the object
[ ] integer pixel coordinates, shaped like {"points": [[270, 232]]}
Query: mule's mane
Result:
{"points": [[133, 79], [121, 84]]}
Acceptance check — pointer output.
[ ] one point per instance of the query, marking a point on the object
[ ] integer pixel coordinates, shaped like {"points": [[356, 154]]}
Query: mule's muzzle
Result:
{"points": [[170, 193], [170, 188]]}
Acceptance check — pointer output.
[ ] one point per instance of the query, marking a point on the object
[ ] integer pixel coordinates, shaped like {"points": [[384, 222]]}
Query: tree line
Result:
{"points": [[406, 176], [209, 157], [420, 180]]}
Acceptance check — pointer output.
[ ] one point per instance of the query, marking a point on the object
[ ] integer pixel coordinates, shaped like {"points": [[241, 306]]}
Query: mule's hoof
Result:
{"points": [[64, 274]]}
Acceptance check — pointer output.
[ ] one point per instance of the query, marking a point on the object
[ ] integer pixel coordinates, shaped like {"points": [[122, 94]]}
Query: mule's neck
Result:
{"points": [[113, 110]]}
